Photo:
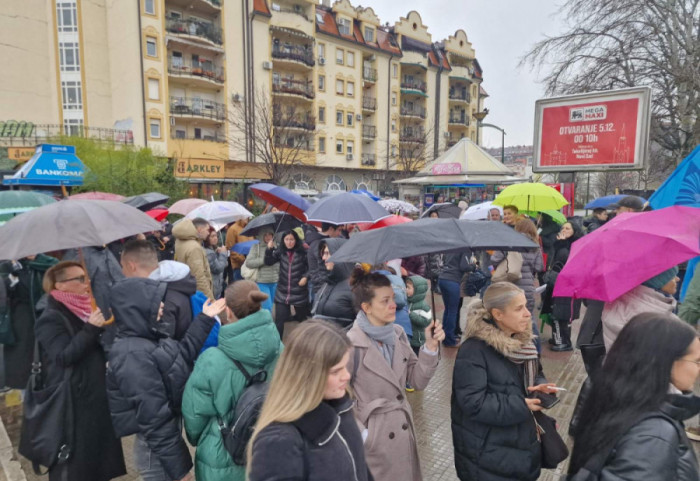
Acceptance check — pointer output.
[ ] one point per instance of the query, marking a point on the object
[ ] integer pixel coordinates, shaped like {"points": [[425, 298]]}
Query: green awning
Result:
{"points": [[414, 92], [455, 77]]}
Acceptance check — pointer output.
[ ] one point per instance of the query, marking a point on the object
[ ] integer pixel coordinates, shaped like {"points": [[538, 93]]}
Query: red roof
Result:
{"points": [[330, 27], [260, 6], [432, 58]]}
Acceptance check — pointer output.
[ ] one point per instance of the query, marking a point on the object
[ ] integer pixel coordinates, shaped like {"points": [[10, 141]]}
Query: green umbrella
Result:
{"points": [[13, 202], [531, 197], [556, 216]]}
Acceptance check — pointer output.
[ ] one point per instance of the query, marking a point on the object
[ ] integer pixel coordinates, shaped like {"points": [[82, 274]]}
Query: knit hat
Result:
{"points": [[660, 280], [244, 298]]}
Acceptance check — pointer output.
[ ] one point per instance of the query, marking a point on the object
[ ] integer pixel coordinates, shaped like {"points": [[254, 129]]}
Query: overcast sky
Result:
{"points": [[501, 32]]}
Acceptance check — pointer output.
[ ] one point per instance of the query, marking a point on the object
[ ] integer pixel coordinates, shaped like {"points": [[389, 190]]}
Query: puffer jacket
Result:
{"points": [[267, 274], [532, 264], [215, 385], [493, 431], [419, 310], [147, 372], [318, 274], [334, 301], [291, 271], [189, 250], [177, 308]]}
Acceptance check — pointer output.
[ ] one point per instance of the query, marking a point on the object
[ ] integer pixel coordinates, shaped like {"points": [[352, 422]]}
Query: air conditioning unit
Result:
{"points": [[349, 157], [447, 135], [321, 61], [267, 65], [358, 117], [172, 120], [236, 97]]}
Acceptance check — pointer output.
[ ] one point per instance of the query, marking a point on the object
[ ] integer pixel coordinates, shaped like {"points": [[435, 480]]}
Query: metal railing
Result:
{"points": [[415, 136], [195, 107], [369, 74], [459, 119], [29, 134], [415, 111], [369, 131], [305, 123], [294, 52], [369, 159], [182, 135], [296, 10], [196, 28], [300, 144], [460, 95], [295, 87], [207, 70], [369, 103], [421, 86]]}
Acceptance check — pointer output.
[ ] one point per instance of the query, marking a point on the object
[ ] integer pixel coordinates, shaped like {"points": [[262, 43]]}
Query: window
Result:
{"points": [[393, 151], [350, 119], [180, 134], [394, 70], [69, 56], [155, 128], [393, 125], [393, 98], [176, 60], [350, 88], [322, 145], [319, 18], [72, 95], [151, 47], [153, 89], [149, 6], [322, 115], [339, 56], [197, 133], [351, 59], [322, 82], [349, 146], [339, 117], [369, 34], [73, 127], [344, 26], [67, 16], [322, 50], [339, 87], [338, 146]]}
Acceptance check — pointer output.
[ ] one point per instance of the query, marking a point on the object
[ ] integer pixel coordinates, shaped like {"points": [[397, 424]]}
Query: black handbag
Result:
{"points": [[46, 437], [554, 449]]}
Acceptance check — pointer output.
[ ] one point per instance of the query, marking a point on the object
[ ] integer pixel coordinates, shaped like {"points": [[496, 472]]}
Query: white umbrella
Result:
{"points": [[220, 212], [480, 211], [395, 205]]}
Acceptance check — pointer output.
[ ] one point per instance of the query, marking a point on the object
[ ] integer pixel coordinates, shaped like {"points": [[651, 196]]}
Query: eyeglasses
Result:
{"points": [[690, 360], [80, 279]]}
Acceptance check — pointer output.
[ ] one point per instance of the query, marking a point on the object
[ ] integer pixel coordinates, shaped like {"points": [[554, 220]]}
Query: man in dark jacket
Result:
{"points": [[140, 259], [317, 272], [598, 219], [146, 376], [456, 265]]}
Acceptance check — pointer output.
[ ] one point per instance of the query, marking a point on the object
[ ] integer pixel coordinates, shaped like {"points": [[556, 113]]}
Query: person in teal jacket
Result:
{"points": [[250, 337], [418, 310]]}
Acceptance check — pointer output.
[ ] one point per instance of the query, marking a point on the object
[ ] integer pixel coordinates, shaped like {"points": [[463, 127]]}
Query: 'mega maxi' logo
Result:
{"points": [[585, 114]]}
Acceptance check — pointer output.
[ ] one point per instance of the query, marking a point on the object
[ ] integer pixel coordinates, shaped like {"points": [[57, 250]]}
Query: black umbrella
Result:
{"points": [[346, 208], [427, 236], [146, 201], [276, 221], [445, 210]]}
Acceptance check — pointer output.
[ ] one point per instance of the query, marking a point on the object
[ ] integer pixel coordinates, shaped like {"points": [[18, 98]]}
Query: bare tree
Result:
{"points": [[627, 43], [415, 149], [281, 136]]}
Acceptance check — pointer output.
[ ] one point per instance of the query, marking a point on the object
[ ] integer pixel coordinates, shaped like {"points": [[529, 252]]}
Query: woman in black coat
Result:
{"points": [[292, 289], [496, 370], [96, 453], [334, 300]]}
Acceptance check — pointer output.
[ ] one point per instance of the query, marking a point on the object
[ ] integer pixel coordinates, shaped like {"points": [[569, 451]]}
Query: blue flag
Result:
{"points": [[683, 185]]}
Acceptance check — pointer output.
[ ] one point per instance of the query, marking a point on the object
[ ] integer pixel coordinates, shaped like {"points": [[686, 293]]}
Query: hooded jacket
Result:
{"points": [[147, 372], [177, 309], [267, 274], [189, 250], [419, 310], [217, 265], [293, 266], [334, 299], [215, 385], [493, 431], [318, 274]]}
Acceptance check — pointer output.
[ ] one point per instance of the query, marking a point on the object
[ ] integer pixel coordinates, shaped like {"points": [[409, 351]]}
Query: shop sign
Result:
{"points": [[449, 168], [20, 154], [200, 169]]}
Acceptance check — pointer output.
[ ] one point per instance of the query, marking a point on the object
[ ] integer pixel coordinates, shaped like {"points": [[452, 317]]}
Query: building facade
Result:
{"points": [[348, 101]]}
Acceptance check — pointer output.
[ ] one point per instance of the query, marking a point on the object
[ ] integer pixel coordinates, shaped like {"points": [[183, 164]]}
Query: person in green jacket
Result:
{"points": [[250, 337], [689, 310], [418, 310]]}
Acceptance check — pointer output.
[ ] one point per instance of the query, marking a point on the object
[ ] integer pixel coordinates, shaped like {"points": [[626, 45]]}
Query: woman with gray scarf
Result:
{"points": [[381, 363]]}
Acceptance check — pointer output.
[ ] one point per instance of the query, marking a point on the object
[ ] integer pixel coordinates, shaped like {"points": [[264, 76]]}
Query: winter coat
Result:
{"points": [[657, 448], [217, 265], [592, 223], [233, 237], [382, 407], [165, 250], [215, 385], [560, 307], [177, 308], [433, 266], [334, 300], [689, 310], [292, 270], [324, 444], [318, 274], [415, 266], [22, 300], [532, 264], [97, 452], [419, 310], [493, 431], [267, 274], [641, 299], [147, 372], [455, 266], [189, 250], [401, 300]]}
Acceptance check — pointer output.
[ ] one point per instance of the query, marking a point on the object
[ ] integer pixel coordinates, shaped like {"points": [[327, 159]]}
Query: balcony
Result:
{"points": [[294, 53], [27, 134], [460, 96], [301, 144], [196, 107], [369, 104], [183, 135], [204, 71], [412, 111], [296, 122], [297, 88], [207, 7], [194, 28], [462, 120], [369, 74], [297, 10], [414, 87], [369, 132], [369, 159], [414, 136]]}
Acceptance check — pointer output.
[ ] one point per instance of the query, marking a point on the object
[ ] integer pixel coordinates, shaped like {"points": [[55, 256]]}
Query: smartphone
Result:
{"points": [[547, 401]]}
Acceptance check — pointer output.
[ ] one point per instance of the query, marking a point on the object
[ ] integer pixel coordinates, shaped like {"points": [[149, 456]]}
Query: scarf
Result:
{"points": [[527, 356], [384, 337], [78, 304]]}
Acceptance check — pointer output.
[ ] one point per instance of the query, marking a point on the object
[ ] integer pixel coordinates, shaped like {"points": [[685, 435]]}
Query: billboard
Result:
{"points": [[592, 132]]}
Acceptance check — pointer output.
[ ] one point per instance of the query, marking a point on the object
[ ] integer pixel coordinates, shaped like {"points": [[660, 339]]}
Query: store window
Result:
{"points": [[335, 183]]}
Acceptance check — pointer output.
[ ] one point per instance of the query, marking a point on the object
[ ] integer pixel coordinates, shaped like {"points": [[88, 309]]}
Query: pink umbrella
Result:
{"points": [[627, 251], [386, 222], [97, 196], [185, 206]]}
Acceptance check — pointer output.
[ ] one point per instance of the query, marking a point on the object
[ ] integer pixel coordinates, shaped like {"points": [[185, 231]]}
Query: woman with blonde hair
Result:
{"points": [[306, 429]]}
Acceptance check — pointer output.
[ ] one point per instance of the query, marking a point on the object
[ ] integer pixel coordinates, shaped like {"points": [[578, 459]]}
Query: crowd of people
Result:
{"points": [[168, 331]]}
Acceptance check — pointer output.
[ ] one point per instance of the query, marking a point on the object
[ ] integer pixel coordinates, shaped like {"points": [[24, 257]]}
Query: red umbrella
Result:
{"points": [[158, 214], [282, 198], [97, 196], [387, 221]]}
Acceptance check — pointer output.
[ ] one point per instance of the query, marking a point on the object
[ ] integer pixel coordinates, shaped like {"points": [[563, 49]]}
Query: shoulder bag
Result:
{"points": [[554, 449], [248, 273], [509, 269]]}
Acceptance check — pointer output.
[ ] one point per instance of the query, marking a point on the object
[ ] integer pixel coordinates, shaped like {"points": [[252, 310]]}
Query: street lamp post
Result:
{"points": [[479, 116]]}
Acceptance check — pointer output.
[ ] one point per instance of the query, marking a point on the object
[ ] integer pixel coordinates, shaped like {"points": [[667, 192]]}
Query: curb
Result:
{"points": [[11, 467]]}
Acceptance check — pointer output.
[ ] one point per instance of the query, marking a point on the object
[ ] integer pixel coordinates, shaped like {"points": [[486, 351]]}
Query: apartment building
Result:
{"points": [[360, 101]]}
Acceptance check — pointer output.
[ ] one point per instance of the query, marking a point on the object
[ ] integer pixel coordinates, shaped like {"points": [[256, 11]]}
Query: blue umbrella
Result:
{"points": [[683, 185], [244, 247], [365, 192], [604, 202]]}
